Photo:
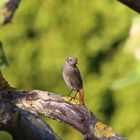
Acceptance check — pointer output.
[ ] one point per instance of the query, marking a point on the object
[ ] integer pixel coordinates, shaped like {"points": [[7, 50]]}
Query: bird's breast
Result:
{"points": [[68, 71]]}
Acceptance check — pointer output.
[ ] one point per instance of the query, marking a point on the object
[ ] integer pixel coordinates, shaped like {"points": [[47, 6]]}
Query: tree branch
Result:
{"points": [[54, 106], [134, 4], [22, 124], [7, 10]]}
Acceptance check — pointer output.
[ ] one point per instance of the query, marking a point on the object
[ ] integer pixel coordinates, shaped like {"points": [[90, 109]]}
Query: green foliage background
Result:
{"points": [[44, 32]]}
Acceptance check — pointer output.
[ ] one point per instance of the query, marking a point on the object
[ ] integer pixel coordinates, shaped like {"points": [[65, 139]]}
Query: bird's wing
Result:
{"points": [[78, 77]]}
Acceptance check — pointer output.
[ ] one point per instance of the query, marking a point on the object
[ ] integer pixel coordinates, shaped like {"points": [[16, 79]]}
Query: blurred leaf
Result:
{"points": [[126, 81], [2, 2], [5, 135], [3, 59]]}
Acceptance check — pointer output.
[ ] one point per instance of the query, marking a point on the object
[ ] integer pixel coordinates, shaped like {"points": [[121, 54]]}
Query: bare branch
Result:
{"points": [[7, 10], [22, 124], [76, 115], [134, 4], [36, 128], [19, 110]]}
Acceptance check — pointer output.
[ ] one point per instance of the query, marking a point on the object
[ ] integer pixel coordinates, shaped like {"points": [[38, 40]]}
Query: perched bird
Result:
{"points": [[72, 77]]}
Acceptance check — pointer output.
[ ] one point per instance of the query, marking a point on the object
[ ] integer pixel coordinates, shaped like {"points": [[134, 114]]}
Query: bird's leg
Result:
{"points": [[75, 95], [70, 92], [72, 97]]}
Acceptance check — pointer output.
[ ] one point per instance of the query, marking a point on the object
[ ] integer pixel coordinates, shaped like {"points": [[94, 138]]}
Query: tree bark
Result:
{"points": [[7, 10], [133, 4], [19, 111]]}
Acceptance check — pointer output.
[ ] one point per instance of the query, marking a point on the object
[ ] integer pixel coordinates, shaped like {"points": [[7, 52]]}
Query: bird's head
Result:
{"points": [[71, 60]]}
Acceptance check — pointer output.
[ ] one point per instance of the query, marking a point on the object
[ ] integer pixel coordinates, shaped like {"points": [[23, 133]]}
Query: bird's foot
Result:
{"points": [[72, 100]]}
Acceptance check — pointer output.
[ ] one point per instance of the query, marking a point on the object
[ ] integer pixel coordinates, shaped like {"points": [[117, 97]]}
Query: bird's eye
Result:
{"points": [[70, 59]]}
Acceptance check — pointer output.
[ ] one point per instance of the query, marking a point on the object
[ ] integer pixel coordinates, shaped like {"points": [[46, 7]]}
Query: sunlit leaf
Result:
{"points": [[126, 81]]}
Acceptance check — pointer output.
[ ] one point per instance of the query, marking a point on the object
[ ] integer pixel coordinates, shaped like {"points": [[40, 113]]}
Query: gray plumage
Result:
{"points": [[71, 74]]}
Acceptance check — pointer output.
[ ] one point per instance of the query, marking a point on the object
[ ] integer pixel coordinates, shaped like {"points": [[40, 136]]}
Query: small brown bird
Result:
{"points": [[72, 77]]}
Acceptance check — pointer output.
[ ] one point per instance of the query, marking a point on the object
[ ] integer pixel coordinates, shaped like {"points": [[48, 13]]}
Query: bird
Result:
{"points": [[72, 77]]}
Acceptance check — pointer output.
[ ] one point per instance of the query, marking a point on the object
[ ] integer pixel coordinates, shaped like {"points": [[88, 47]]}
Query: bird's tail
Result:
{"points": [[81, 95]]}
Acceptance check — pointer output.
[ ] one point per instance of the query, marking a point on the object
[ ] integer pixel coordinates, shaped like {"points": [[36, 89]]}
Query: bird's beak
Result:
{"points": [[75, 63]]}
